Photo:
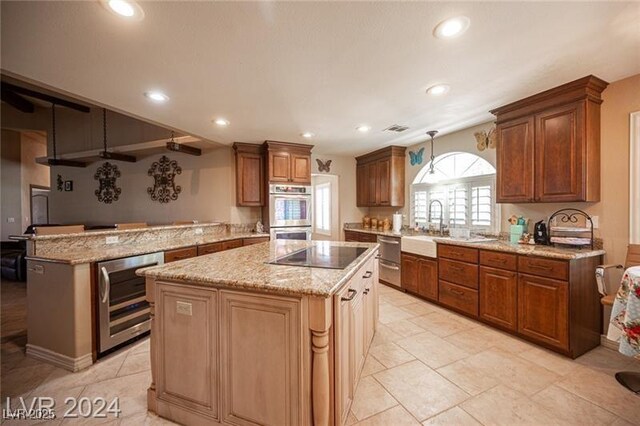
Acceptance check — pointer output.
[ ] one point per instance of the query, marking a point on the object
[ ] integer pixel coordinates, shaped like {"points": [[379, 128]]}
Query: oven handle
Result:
{"points": [[105, 285], [384, 265], [383, 240]]}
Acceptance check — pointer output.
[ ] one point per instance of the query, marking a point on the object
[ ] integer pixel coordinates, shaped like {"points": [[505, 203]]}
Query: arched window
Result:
{"points": [[464, 185]]}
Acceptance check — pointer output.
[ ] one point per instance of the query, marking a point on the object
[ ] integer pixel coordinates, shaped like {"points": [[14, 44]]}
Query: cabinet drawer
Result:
{"points": [[544, 267], [256, 240], [458, 272], [179, 254], [458, 297], [209, 248], [499, 260], [351, 236], [464, 254], [228, 245], [368, 238]]}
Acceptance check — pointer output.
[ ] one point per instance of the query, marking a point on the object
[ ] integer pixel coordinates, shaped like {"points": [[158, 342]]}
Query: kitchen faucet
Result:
{"points": [[441, 213]]}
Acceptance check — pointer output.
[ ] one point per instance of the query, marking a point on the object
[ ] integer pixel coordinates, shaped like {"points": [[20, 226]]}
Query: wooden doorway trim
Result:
{"points": [[31, 188], [634, 178]]}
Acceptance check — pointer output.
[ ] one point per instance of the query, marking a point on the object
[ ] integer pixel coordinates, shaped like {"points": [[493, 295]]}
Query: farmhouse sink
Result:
{"points": [[425, 245]]}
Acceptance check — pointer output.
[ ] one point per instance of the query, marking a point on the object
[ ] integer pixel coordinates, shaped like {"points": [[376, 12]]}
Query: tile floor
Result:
{"points": [[426, 366]]}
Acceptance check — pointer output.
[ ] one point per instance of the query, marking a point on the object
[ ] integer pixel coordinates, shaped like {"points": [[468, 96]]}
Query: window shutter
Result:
{"points": [[481, 205], [457, 205], [420, 206]]}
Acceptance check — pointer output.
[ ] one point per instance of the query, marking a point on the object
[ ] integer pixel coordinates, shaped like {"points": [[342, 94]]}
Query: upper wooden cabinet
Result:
{"points": [[548, 145], [288, 162], [249, 174], [380, 178]]}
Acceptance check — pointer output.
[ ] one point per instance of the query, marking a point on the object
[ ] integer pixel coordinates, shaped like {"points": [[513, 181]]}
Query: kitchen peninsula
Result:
{"points": [[236, 338]]}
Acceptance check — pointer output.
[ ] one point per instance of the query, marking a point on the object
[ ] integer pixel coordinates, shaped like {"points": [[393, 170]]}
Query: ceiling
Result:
{"points": [[277, 69]]}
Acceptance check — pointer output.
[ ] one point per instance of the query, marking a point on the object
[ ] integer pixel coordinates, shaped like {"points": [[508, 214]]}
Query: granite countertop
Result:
{"points": [[376, 232], [526, 249], [125, 250], [108, 232], [247, 268]]}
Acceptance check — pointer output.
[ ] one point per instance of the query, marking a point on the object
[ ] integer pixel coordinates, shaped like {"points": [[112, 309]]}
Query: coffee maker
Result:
{"points": [[540, 235]]}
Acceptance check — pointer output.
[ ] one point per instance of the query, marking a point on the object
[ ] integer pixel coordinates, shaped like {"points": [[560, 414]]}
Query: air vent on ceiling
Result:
{"points": [[396, 128]]}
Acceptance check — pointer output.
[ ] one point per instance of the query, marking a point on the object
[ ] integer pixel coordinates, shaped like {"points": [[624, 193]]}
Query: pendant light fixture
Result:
{"points": [[112, 155], [432, 133], [55, 161], [174, 146]]}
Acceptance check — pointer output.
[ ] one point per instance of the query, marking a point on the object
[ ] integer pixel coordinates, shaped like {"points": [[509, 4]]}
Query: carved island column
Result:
{"points": [[150, 284], [320, 315]]}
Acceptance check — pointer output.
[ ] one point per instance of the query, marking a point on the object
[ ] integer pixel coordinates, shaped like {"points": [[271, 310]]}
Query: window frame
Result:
{"points": [[316, 229], [468, 182]]}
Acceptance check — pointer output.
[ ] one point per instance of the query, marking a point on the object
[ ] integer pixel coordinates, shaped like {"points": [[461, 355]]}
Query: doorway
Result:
{"points": [[39, 198], [326, 211]]}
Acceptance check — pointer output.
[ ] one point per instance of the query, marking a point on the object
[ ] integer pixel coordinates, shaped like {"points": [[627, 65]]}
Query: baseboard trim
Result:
{"points": [[59, 360], [609, 344]]}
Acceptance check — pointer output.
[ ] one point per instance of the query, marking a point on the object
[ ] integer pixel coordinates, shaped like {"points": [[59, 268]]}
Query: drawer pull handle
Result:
{"points": [[368, 274], [498, 260], [352, 294], [456, 268], [457, 292], [366, 291], [384, 265], [384, 240]]}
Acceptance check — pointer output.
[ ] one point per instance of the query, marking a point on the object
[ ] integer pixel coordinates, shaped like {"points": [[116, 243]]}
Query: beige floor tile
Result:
{"points": [[146, 419], [605, 360], [141, 346], [419, 308], [60, 407], [390, 354], [135, 363], [397, 298], [454, 416], [405, 328], [468, 378], [557, 363], [370, 398], [396, 416], [504, 406], [602, 389], [351, 419], [431, 349], [511, 370], [475, 340], [440, 324], [622, 422], [422, 391], [389, 313], [371, 366], [383, 335], [514, 345], [570, 407], [19, 381]]}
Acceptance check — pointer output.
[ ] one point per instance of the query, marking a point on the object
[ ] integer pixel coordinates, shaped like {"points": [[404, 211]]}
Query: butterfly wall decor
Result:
{"points": [[486, 139], [323, 167], [416, 157]]}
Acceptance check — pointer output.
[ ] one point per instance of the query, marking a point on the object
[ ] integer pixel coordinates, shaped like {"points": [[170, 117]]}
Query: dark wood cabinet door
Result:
{"points": [[249, 180], [543, 307], [498, 297], [300, 168], [428, 278], [560, 154], [362, 185], [409, 272], [373, 190], [383, 184], [515, 160], [279, 166]]}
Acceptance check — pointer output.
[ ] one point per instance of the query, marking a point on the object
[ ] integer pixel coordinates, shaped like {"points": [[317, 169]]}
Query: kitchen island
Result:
{"points": [[236, 339]]}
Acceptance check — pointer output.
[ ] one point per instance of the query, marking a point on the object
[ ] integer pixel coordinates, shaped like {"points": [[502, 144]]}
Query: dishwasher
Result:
{"points": [[389, 260]]}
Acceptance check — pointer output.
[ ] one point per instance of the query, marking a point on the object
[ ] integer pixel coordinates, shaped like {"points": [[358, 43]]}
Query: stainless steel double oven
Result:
{"points": [[290, 212], [123, 311]]}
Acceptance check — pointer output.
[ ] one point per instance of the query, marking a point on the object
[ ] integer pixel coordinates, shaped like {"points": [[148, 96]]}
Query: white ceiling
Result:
{"points": [[275, 70]]}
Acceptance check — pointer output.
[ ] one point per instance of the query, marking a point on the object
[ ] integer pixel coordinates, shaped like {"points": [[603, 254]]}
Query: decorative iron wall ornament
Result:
{"points": [[106, 176], [164, 188], [60, 183]]}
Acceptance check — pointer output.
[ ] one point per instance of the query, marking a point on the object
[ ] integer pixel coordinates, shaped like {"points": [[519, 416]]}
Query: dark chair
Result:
{"points": [[14, 265]]}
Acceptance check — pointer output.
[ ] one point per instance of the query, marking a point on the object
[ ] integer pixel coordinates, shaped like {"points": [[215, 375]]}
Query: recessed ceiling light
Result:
{"points": [[307, 135], [438, 89], [125, 8], [156, 96], [452, 27], [363, 128], [221, 122]]}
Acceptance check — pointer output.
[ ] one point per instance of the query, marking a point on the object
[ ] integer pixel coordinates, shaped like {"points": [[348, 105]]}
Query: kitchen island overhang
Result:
{"points": [[235, 339]]}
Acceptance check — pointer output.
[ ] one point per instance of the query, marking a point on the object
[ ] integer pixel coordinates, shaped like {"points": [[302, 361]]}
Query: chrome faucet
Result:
{"points": [[441, 214]]}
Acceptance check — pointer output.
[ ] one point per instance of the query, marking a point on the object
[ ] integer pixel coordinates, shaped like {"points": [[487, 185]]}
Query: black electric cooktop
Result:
{"points": [[322, 256]]}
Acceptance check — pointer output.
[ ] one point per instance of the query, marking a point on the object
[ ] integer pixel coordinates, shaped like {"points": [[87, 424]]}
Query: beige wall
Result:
{"points": [[620, 99], [208, 193], [11, 206], [32, 146]]}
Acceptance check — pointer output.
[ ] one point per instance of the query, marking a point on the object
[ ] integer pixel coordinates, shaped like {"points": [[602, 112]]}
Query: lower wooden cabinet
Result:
{"points": [[255, 240], [409, 272], [231, 244], [361, 237], [543, 305], [209, 248], [458, 297], [498, 297], [180, 254], [420, 275]]}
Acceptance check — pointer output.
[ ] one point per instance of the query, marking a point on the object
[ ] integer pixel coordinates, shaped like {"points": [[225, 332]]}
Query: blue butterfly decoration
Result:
{"points": [[416, 157]]}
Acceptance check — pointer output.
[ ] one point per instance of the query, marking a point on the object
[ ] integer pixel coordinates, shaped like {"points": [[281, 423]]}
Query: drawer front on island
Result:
{"points": [[459, 297], [180, 254], [187, 335]]}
